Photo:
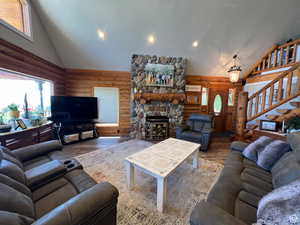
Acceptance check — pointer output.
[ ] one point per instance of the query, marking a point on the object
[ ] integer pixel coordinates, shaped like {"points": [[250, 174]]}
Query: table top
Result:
{"points": [[162, 158]]}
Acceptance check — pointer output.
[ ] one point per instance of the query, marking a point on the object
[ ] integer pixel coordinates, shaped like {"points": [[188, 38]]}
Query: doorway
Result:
{"points": [[218, 105]]}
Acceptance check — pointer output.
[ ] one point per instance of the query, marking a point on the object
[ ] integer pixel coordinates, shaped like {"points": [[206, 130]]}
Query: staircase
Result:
{"points": [[278, 100]]}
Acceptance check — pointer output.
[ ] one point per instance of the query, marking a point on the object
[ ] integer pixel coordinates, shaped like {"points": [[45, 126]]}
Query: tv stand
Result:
{"points": [[75, 131]]}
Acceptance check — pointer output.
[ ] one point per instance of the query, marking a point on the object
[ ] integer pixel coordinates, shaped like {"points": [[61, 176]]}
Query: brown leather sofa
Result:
{"points": [[234, 198], [40, 185]]}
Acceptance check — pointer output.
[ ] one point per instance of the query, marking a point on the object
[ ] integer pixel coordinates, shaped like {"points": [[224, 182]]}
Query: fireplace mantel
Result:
{"points": [[174, 98]]}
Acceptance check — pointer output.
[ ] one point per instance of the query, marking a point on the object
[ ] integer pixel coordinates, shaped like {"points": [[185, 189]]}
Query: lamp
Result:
{"points": [[234, 71]]}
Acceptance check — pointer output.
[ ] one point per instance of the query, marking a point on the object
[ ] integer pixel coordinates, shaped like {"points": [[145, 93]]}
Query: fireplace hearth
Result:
{"points": [[157, 128]]}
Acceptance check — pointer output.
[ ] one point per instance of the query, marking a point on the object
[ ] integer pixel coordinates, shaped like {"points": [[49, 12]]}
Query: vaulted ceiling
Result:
{"points": [[221, 27]]}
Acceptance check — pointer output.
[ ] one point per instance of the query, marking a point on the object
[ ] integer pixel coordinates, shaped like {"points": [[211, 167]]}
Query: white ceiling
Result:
{"points": [[222, 28]]}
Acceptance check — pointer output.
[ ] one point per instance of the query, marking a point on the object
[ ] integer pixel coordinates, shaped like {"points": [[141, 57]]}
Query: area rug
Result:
{"points": [[186, 186]]}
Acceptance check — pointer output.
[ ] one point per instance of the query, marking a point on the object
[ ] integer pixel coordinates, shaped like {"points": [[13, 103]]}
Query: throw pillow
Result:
{"points": [[252, 150], [281, 206], [272, 153]]}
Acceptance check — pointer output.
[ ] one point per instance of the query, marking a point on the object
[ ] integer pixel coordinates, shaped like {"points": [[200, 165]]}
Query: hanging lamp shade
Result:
{"points": [[234, 71]]}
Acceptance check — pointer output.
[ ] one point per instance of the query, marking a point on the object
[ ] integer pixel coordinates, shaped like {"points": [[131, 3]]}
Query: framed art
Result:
{"points": [[21, 124], [268, 125], [159, 75]]}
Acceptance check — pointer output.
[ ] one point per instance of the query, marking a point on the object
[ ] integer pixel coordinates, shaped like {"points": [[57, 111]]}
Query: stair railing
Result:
{"points": [[276, 58], [279, 91]]}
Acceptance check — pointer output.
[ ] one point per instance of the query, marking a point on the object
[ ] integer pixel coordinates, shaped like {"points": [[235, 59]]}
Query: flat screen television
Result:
{"points": [[69, 109]]}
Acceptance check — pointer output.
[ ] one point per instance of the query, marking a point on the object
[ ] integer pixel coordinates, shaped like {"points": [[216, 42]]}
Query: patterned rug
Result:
{"points": [[186, 186]]}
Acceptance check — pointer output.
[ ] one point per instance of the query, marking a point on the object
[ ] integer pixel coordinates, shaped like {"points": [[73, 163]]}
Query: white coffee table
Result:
{"points": [[159, 161]]}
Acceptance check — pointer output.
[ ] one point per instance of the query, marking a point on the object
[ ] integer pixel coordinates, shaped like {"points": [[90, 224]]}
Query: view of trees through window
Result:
{"points": [[31, 96]]}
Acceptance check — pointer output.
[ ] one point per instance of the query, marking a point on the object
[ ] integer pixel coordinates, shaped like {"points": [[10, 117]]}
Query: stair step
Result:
{"points": [[291, 114], [272, 117], [252, 126], [283, 111], [295, 104]]}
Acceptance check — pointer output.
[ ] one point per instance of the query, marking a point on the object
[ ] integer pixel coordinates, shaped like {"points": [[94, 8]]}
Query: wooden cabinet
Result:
{"points": [[30, 136]]}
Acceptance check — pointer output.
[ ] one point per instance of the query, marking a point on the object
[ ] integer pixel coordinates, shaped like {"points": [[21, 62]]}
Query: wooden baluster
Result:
{"points": [[287, 56], [264, 64], [280, 56], [250, 108], [279, 96], [289, 85], [275, 57], [269, 60], [271, 95], [263, 100], [256, 104], [298, 79], [294, 53]]}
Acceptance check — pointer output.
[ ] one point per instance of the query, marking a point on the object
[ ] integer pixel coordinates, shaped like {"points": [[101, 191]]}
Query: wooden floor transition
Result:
{"points": [[218, 150]]}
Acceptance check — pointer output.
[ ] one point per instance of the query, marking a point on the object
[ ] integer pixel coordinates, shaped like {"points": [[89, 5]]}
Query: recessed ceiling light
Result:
{"points": [[195, 44], [151, 39], [101, 34]]}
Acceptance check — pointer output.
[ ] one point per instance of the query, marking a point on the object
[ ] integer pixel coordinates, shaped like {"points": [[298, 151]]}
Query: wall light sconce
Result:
{"points": [[235, 70]]}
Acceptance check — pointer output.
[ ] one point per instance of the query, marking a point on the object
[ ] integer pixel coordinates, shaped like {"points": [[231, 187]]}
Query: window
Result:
{"points": [[15, 14], [231, 97], [108, 103], [15, 88], [204, 96], [217, 105]]}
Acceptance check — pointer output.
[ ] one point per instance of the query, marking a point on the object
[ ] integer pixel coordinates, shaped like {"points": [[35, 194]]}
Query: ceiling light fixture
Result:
{"points": [[101, 34], [151, 39], [235, 70], [195, 44]]}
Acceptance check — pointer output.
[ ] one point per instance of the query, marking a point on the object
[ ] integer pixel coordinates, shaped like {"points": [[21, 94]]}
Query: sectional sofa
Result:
{"points": [[234, 198]]}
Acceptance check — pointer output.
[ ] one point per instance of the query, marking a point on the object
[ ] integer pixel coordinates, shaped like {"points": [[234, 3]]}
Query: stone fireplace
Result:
{"points": [[163, 100]]}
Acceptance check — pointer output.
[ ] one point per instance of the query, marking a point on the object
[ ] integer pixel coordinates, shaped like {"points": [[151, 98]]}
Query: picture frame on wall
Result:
{"points": [[159, 75], [268, 125], [21, 124]]}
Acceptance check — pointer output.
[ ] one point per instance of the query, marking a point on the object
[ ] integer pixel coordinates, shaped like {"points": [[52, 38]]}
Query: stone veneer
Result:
{"points": [[139, 111]]}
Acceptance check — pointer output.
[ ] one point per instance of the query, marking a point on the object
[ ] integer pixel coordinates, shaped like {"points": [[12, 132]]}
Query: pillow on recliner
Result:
{"points": [[252, 150], [272, 153]]}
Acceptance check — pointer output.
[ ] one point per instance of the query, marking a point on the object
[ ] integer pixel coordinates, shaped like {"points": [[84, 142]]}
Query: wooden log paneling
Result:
{"points": [[17, 59], [211, 82], [82, 83]]}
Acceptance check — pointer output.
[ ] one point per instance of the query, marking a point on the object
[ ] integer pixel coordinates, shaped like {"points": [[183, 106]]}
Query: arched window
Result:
{"points": [[217, 105], [15, 14]]}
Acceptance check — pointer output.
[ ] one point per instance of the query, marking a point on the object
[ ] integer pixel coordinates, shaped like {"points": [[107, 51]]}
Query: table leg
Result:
{"points": [[161, 193], [196, 159], [130, 175]]}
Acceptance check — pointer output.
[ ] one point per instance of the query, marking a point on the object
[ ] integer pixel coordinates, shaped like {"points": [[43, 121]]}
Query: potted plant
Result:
{"points": [[13, 111], [3, 127], [293, 125]]}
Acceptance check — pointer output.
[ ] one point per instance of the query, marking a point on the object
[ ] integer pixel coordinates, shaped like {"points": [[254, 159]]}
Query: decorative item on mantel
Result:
{"points": [[158, 89]]}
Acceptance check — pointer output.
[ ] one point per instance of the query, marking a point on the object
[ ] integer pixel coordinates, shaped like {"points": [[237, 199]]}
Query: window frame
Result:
{"points": [[105, 124], [27, 22]]}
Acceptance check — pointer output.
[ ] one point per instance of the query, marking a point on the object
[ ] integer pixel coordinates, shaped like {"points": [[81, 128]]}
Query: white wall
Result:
{"points": [[41, 44]]}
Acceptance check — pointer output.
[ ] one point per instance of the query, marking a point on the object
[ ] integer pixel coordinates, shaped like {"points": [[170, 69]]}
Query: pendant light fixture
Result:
{"points": [[234, 71]]}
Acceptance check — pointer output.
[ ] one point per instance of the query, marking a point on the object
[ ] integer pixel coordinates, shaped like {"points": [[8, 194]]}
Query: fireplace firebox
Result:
{"points": [[157, 128]]}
